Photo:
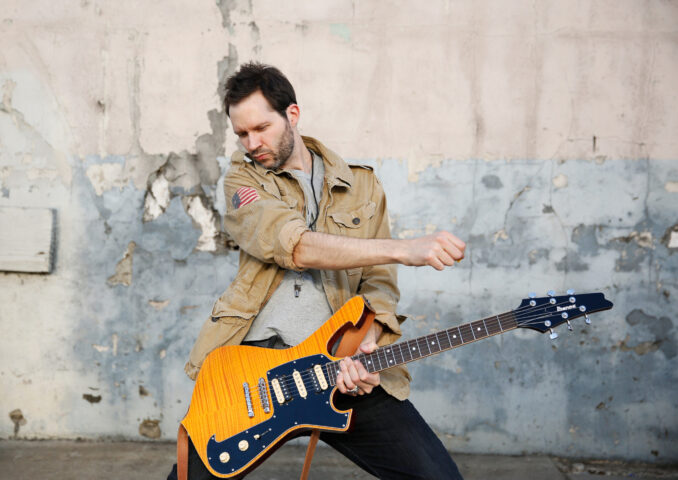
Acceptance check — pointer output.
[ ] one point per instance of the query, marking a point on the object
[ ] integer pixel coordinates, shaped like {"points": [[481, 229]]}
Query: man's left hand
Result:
{"points": [[353, 374]]}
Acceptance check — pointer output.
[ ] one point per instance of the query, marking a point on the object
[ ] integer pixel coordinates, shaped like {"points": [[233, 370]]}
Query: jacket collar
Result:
{"points": [[337, 172]]}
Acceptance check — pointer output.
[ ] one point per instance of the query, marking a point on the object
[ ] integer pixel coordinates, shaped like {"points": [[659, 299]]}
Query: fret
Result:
{"points": [[432, 342], [428, 349], [457, 337], [477, 330], [443, 340], [413, 349], [485, 327], [466, 333], [399, 346], [371, 367], [499, 322], [392, 361], [449, 339], [494, 326]]}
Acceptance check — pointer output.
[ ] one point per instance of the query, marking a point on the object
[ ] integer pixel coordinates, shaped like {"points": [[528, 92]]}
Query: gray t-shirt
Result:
{"points": [[299, 305]]}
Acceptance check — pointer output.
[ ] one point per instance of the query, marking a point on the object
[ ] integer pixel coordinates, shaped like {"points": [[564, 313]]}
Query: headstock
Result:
{"points": [[545, 313]]}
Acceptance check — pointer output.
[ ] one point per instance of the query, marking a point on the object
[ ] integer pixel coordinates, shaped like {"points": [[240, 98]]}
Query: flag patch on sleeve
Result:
{"points": [[244, 196]]}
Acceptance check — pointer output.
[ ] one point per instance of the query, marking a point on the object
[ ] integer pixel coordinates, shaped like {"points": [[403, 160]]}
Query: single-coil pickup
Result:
{"points": [[300, 384], [320, 376], [248, 399], [263, 396], [278, 391]]}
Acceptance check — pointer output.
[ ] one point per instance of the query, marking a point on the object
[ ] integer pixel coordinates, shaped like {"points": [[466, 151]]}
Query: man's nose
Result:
{"points": [[253, 141]]}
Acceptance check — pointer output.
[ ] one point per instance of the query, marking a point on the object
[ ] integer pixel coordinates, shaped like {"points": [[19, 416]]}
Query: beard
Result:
{"points": [[282, 151]]}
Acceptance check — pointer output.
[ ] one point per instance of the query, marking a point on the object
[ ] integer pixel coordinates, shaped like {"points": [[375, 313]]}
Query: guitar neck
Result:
{"points": [[427, 345]]}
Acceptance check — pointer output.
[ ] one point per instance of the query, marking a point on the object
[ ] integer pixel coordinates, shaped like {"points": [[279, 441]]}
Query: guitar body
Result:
{"points": [[237, 418]]}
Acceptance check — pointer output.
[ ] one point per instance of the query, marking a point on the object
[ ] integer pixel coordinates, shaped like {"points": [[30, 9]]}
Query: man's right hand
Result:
{"points": [[437, 250]]}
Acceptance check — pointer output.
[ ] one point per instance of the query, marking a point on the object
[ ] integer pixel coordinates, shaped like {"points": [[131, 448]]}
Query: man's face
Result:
{"points": [[263, 132]]}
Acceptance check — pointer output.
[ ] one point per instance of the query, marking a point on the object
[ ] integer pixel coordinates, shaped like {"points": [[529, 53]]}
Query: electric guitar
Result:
{"points": [[247, 400]]}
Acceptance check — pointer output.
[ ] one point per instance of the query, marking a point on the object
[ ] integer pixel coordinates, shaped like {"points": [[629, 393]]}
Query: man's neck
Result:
{"points": [[301, 158]]}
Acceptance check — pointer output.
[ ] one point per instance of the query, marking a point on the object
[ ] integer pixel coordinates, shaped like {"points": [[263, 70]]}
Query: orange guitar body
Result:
{"points": [[247, 400]]}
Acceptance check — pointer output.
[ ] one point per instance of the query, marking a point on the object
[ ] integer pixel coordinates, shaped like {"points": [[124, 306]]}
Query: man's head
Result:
{"points": [[270, 81], [263, 109]]}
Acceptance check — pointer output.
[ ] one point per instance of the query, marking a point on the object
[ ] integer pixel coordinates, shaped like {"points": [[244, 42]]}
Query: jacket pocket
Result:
{"points": [[355, 218]]}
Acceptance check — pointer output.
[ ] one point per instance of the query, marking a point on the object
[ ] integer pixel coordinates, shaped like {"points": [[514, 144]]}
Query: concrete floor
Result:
{"points": [[52, 460]]}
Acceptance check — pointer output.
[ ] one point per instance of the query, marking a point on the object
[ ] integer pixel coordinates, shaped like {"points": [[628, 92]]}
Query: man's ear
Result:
{"points": [[292, 112]]}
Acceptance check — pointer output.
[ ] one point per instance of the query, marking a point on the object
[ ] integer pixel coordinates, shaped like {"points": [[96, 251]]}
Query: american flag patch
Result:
{"points": [[244, 196]]}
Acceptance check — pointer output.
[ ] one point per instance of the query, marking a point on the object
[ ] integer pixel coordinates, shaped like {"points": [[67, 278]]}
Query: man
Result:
{"points": [[313, 232]]}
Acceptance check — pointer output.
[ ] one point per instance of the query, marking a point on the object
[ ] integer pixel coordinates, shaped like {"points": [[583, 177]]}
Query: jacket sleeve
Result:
{"points": [[379, 283], [267, 228]]}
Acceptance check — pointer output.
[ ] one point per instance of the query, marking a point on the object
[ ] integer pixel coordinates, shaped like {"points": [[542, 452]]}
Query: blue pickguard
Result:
{"points": [[314, 411]]}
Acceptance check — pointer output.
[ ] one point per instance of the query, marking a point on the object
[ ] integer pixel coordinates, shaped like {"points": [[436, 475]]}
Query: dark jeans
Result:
{"points": [[389, 439]]}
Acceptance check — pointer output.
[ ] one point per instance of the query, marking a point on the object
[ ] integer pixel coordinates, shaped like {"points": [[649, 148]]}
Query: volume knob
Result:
{"points": [[243, 445], [224, 457]]}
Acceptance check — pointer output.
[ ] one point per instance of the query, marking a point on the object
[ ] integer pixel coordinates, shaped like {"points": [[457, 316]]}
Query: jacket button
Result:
{"points": [[356, 221]]}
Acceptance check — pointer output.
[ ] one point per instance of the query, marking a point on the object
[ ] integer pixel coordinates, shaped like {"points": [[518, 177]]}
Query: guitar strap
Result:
{"points": [[182, 453]]}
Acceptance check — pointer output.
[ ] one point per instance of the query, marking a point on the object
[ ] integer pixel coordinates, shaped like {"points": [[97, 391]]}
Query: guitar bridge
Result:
{"points": [[248, 399], [263, 396]]}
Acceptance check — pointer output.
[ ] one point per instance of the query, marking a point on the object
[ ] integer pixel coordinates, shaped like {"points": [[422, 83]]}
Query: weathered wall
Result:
{"points": [[543, 133]]}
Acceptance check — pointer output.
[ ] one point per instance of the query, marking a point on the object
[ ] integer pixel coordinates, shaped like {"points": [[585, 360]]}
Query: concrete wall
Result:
{"points": [[543, 133]]}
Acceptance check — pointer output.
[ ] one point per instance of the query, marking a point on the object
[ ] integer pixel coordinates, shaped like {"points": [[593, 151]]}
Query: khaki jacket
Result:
{"points": [[267, 230]]}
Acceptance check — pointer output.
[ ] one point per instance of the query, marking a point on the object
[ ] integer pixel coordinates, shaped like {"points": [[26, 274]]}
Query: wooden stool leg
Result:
{"points": [[315, 434]]}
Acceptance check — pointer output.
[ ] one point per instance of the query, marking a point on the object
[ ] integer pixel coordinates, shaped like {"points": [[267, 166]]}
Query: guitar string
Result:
{"points": [[522, 319]]}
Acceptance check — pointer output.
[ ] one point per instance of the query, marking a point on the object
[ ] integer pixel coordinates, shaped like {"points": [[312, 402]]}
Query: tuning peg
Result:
{"points": [[551, 293], [588, 320], [569, 326], [553, 334], [532, 295], [570, 291]]}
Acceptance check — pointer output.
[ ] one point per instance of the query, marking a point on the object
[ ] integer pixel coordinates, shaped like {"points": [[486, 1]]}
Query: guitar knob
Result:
{"points": [[243, 445], [224, 457]]}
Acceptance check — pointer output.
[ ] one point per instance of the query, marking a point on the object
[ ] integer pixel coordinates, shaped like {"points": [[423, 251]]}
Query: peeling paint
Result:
{"points": [[123, 270], [18, 419], [157, 198], [91, 398], [492, 182], [560, 181], [158, 304], [207, 219], [150, 429], [670, 238], [106, 176]]}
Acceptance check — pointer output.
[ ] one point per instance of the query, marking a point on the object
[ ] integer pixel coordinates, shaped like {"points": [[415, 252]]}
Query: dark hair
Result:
{"points": [[253, 76]]}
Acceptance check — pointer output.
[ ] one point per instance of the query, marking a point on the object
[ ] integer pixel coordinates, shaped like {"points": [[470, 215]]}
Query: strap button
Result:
{"points": [[356, 221]]}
